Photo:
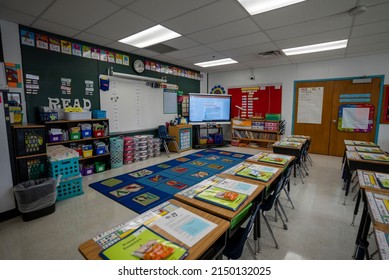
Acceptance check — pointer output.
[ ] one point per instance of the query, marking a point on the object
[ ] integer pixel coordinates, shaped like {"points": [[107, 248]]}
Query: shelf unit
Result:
{"points": [[209, 131], [256, 133], [29, 144], [183, 134], [67, 124]]}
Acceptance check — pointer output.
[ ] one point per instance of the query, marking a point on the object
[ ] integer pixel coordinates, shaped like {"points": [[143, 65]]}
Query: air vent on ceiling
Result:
{"points": [[160, 48], [270, 54]]}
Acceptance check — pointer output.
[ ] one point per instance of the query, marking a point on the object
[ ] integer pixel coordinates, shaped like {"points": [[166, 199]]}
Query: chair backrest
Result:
{"points": [[235, 246], [162, 131], [267, 204], [286, 174]]}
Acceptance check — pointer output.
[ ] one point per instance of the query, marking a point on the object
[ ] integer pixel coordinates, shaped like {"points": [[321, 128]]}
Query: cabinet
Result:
{"points": [[81, 141], [183, 134], [30, 151], [207, 136], [255, 133]]}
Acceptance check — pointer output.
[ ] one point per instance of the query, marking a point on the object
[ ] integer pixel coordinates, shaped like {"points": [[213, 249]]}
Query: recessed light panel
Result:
{"points": [[260, 6], [151, 36], [218, 62], [316, 48]]}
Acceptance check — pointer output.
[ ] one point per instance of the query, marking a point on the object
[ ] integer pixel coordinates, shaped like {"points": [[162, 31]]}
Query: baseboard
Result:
{"points": [[10, 214]]}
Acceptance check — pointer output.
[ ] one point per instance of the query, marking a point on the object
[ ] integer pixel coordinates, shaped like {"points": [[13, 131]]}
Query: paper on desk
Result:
{"points": [[186, 226], [237, 186], [383, 243]]}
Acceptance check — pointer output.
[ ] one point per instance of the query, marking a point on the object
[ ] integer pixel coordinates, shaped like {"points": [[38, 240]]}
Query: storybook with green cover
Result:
{"points": [[144, 244], [222, 197]]}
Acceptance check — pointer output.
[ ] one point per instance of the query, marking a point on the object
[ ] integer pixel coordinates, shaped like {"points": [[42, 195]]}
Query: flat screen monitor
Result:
{"points": [[209, 108]]}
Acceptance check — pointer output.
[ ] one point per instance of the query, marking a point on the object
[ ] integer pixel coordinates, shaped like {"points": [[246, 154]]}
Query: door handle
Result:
{"points": [[334, 121]]}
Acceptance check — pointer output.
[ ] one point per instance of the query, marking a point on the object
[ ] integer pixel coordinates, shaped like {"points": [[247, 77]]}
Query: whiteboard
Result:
{"points": [[132, 106], [310, 105]]}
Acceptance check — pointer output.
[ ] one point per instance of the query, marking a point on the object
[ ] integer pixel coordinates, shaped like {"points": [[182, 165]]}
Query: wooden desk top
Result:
{"points": [[375, 204], [360, 143], [355, 156], [366, 149], [217, 210], [90, 249], [368, 181], [257, 159]]}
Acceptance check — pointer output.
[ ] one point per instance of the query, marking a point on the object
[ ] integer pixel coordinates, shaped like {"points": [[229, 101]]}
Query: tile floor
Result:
{"points": [[318, 228]]}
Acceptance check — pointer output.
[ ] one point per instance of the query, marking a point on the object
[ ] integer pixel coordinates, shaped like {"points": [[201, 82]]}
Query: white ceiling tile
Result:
{"points": [[267, 62], [48, 26], [167, 9], [372, 48], [372, 2], [310, 27], [164, 58], [91, 38], [190, 52], [225, 31], [206, 17], [253, 49], [238, 42], [79, 14], [368, 40], [28, 7], [205, 57], [120, 25], [370, 28], [301, 12], [314, 39], [145, 53], [181, 43], [16, 17], [121, 47], [374, 13], [122, 2]]}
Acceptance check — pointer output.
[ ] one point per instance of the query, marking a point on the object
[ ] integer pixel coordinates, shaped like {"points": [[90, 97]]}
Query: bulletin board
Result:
{"points": [[356, 118], [256, 101], [385, 106]]}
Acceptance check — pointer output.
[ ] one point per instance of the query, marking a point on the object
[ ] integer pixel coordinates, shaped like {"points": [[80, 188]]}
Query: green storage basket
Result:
{"points": [[116, 144]]}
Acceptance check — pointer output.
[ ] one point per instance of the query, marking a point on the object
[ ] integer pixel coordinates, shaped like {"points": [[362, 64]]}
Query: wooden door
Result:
{"points": [[345, 88], [319, 133]]}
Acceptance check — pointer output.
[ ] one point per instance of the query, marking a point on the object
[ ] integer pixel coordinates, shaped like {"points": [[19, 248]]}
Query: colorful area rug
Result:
{"points": [[145, 188]]}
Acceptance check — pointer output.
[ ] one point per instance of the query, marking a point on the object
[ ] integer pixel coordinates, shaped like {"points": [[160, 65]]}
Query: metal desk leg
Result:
{"points": [[357, 206], [363, 224]]}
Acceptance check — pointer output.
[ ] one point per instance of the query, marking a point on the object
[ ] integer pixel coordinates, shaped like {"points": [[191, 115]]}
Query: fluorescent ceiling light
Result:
{"points": [[317, 47], [260, 6], [151, 36], [218, 62]]}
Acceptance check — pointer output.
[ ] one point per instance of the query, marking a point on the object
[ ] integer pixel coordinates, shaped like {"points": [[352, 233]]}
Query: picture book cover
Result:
{"points": [[368, 149], [289, 144], [383, 180], [276, 159], [222, 197], [258, 172], [144, 244], [378, 157], [364, 143]]}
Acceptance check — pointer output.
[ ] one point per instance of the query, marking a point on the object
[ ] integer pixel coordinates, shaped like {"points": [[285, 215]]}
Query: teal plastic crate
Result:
{"points": [[273, 117], [67, 168], [70, 187]]}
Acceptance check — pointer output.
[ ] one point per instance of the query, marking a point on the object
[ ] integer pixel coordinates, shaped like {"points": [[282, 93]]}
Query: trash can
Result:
{"points": [[36, 198]]}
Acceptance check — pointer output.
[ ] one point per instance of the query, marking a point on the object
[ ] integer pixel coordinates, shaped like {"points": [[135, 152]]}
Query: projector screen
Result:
{"points": [[209, 108]]}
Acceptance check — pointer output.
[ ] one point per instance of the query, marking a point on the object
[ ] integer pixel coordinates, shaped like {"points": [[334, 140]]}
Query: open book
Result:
{"points": [[257, 172], [144, 244], [222, 197]]}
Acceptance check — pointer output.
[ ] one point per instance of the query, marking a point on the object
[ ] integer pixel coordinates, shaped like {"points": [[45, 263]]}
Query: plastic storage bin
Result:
{"points": [[71, 116], [116, 146], [36, 198], [69, 187], [49, 116], [75, 136], [67, 168], [86, 133], [99, 166], [98, 133], [29, 141], [32, 168], [99, 114]]}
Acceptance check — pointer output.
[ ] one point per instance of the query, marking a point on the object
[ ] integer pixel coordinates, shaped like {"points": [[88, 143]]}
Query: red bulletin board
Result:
{"points": [[385, 106], [255, 100]]}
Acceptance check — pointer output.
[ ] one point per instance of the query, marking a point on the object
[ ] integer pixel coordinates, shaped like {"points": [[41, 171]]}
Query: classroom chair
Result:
{"points": [[167, 139], [269, 203], [235, 244], [286, 175]]}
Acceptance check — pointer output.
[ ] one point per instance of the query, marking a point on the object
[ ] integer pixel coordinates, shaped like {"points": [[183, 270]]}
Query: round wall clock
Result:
{"points": [[139, 66]]}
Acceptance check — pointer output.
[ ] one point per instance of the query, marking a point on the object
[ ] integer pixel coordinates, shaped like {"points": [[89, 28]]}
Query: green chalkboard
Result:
{"points": [[51, 67]]}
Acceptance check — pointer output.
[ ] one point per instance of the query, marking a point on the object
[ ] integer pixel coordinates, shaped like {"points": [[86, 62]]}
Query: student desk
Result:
{"points": [[354, 161], [227, 214], [208, 247], [287, 148], [356, 143], [371, 214]]}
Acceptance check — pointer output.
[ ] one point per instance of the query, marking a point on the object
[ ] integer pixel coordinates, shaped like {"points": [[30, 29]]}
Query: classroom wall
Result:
{"points": [[287, 74]]}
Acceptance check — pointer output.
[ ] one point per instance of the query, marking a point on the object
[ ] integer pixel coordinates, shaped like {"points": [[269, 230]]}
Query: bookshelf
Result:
{"points": [[256, 133]]}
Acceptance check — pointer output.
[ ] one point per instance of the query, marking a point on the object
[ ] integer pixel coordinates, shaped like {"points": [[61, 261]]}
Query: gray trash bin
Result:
{"points": [[36, 198]]}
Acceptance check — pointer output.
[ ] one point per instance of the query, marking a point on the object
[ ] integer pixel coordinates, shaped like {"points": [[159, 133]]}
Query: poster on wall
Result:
{"points": [[310, 105], [355, 117], [13, 74]]}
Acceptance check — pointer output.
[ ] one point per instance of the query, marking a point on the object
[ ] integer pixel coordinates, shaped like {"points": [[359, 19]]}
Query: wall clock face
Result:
{"points": [[139, 66]]}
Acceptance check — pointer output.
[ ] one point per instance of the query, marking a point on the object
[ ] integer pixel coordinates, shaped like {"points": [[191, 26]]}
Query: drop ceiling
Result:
{"points": [[212, 29]]}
